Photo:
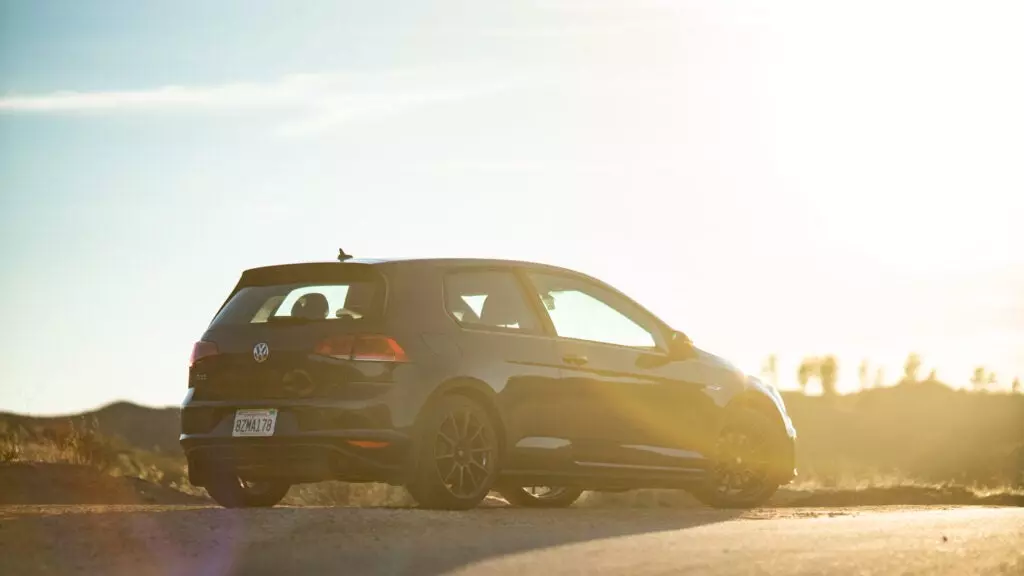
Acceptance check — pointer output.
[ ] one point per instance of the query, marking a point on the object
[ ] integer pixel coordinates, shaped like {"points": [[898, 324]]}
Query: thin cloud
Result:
{"points": [[334, 112], [320, 101], [288, 91]]}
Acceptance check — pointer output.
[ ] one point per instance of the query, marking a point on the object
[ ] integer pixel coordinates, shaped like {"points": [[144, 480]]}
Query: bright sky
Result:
{"points": [[788, 177]]}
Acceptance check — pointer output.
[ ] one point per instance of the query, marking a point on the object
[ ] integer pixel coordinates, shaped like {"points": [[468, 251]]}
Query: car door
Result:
{"points": [[615, 363], [503, 341]]}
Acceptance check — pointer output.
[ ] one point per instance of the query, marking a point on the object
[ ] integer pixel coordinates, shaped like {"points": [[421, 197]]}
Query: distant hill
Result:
{"points": [[154, 429]]}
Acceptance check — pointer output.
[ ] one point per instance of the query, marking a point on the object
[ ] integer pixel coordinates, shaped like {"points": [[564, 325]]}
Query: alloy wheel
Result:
{"points": [[741, 469], [464, 453]]}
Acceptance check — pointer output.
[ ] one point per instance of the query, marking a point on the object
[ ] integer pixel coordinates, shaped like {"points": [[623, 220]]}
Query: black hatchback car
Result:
{"points": [[455, 377]]}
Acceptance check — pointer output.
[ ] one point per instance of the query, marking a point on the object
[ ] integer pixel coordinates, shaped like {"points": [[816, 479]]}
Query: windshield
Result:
{"points": [[299, 302]]}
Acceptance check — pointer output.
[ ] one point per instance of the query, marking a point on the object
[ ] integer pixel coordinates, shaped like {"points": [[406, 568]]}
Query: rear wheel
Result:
{"points": [[742, 475], [231, 491], [540, 496], [456, 459]]}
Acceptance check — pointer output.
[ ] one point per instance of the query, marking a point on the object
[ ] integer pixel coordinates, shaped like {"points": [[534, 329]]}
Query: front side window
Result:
{"points": [[488, 299], [582, 311]]}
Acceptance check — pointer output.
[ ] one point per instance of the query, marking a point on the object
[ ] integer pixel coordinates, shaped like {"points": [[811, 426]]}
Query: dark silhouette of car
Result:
{"points": [[455, 377]]}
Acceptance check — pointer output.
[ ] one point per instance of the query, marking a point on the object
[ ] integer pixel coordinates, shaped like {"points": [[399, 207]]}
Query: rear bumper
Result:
{"points": [[300, 457], [313, 440]]}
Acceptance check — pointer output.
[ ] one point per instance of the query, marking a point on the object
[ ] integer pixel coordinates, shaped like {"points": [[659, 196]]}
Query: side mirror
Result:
{"points": [[681, 347]]}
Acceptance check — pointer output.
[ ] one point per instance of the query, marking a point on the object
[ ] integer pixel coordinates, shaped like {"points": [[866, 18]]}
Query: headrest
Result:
{"points": [[312, 306]]}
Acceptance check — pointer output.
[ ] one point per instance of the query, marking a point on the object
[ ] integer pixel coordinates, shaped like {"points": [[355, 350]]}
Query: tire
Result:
{"points": [[742, 473], [455, 459], [557, 497], [230, 491]]}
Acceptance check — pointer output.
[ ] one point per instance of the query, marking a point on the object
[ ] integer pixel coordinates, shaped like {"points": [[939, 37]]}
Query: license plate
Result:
{"points": [[255, 422]]}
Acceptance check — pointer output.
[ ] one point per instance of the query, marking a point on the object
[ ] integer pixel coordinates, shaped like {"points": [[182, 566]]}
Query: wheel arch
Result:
{"points": [[477, 391], [754, 400], [759, 402]]}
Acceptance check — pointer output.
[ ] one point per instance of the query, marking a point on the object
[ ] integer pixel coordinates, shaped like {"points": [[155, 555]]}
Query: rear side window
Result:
{"points": [[488, 299], [300, 302]]}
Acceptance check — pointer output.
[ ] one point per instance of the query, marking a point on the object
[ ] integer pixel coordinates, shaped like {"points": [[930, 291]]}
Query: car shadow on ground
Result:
{"points": [[175, 540]]}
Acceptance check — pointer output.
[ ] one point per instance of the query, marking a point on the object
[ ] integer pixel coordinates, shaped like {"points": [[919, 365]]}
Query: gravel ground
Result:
{"points": [[173, 540]]}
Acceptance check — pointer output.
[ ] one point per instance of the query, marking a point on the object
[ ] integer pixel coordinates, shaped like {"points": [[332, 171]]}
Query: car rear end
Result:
{"points": [[298, 377]]}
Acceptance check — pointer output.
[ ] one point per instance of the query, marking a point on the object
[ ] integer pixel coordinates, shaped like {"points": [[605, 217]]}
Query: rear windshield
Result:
{"points": [[302, 302]]}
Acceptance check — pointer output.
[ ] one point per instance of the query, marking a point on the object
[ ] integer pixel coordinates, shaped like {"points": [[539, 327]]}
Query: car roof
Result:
{"points": [[439, 262], [446, 262]]}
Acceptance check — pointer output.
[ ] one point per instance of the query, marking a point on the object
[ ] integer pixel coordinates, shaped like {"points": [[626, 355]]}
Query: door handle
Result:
{"points": [[575, 359]]}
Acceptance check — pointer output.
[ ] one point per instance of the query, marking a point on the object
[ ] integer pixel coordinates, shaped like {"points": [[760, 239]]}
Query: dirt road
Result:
{"points": [[175, 540]]}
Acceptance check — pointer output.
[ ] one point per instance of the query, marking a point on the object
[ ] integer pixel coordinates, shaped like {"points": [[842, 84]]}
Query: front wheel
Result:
{"points": [[540, 496], [742, 472], [456, 457]]}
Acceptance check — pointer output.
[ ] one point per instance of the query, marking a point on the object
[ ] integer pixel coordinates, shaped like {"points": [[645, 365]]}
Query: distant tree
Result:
{"points": [[992, 380], [1015, 387], [979, 378], [911, 367], [879, 377], [828, 374], [770, 370], [808, 369], [932, 376], [863, 373]]}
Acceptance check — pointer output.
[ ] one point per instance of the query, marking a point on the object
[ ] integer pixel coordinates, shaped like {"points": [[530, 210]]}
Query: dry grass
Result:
{"points": [[919, 433], [344, 494], [78, 441]]}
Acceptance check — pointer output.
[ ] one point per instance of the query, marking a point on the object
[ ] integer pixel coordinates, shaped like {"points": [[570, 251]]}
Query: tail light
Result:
{"points": [[373, 348], [378, 348], [200, 350], [339, 347]]}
